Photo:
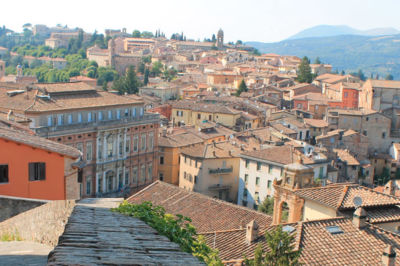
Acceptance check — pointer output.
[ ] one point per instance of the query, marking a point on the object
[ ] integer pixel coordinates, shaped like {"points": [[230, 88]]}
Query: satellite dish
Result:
{"points": [[357, 202]]}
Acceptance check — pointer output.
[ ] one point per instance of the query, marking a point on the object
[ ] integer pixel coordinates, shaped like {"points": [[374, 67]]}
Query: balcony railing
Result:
{"points": [[223, 170], [219, 187], [146, 118]]}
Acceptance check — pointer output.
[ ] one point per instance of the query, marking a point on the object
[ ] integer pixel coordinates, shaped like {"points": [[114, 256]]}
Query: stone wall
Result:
{"points": [[11, 206], [43, 224]]}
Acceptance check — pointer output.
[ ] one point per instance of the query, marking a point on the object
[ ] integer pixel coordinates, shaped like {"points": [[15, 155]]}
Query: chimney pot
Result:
{"points": [[251, 231], [388, 256], [360, 218]]}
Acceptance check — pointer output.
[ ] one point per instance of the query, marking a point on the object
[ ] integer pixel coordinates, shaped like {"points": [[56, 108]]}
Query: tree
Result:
{"points": [[304, 72], [131, 81], [280, 251], [317, 61], [136, 34], [389, 77], [239, 42], [242, 88], [342, 73], [147, 34], [267, 206], [146, 76], [213, 39]]}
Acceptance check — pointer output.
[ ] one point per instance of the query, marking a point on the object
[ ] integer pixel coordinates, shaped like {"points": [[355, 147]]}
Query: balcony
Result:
{"points": [[103, 124], [219, 187], [223, 170]]}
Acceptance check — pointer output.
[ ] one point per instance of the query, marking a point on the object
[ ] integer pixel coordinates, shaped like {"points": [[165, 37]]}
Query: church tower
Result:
{"points": [[220, 39], [111, 52], [295, 176]]}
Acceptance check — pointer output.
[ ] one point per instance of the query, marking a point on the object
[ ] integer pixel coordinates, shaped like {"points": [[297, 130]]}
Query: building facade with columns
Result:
{"points": [[118, 140]]}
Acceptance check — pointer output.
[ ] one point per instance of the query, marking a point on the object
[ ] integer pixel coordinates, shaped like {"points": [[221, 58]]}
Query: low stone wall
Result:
{"points": [[43, 224], [11, 206]]}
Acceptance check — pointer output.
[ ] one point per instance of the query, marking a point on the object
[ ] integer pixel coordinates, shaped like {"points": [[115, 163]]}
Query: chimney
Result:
{"points": [[251, 231], [389, 188], [164, 132], [360, 218], [388, 256]]}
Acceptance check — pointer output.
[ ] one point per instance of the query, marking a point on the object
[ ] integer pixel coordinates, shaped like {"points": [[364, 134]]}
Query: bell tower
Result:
{"points": [[220, 39], [295, 176]]}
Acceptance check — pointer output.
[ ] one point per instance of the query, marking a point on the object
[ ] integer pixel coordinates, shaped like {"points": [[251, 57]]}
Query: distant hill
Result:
{"points": [[331, 30], [373, 54]]}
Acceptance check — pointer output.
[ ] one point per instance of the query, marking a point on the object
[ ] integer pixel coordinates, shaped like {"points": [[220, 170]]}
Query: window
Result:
{"points": [[258, 166], [247, 163], [89, 151], [269, 184], [151, 141], [141, 111], [365, 132], [89, 117], [135, 143], [37, 171], [99, 150], [257, 181], [100, 116], [110, 147], [79, 118], [184, 175], [88, 185], [281, 171], [134, 175], [150, 171], [143, 142], [257, 197], [134, 112], [246, 178], [109, 114], [60, 120], [367, 118], [195, 163], [126, 177], [198, 116], [161, 159], [118, 114], [79, 146], [143, 173], [332, 140], [121, 146], [245, 192], [4, 173], [161, 176], [209, 117], [128, 144], [383, 135], [69, 119], [49, 121], [195, 179], [270, 169], [321, 172]]}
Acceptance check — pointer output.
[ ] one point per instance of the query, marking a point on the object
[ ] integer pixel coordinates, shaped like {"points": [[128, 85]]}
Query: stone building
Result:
{"points": [[119, 141]]}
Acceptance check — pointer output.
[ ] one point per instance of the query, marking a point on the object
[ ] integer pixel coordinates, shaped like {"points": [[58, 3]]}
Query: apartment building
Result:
{"points": [[118, 140]]}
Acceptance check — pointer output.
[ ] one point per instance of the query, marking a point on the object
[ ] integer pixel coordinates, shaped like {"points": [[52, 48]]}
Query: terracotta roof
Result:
{"points": [[16, 133], [388, 84], [277, 154], [316, 122], [340, 196], [384, 215], [179, 140], [352, 246], [204, 107], [212, 150], [63, 96], [345, 156], [283, 129], [207, 214]]}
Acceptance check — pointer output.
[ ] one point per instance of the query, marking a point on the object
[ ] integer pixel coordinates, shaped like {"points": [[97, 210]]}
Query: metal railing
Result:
{"points": [[223, 170]]}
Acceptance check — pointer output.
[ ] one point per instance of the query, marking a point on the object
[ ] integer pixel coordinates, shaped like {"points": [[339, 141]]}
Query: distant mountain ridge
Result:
{"points": [[333, 30], [372, 54]]}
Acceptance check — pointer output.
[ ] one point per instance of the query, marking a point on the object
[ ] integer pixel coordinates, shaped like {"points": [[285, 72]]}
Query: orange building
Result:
{"points": [[34, 167]]}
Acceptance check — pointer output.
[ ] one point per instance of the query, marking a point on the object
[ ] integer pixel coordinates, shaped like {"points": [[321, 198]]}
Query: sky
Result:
{"points": [[246, 20]]}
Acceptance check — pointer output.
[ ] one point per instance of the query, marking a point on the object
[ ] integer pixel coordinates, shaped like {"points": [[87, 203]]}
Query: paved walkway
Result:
{"points": [[96, 236], [23, 253]]}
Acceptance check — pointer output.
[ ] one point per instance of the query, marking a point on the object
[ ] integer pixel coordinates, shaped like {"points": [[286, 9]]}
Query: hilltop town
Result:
{"points": [[241, 143]]}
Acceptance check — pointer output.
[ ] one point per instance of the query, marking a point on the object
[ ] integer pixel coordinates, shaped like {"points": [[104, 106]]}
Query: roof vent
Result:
{"points": [[43, 97], [14, 92], [334, 229], [289, 229]]}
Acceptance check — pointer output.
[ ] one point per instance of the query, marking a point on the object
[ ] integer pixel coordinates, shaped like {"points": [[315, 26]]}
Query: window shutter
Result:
{"points": [[31, 171], [42, 171]]}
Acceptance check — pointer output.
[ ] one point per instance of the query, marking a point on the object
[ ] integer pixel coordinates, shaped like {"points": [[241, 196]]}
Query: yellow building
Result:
{"points": [[169, 154], [194, 113], [211, 169]]}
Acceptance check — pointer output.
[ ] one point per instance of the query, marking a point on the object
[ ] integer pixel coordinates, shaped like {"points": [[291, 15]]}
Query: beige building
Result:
{"points": [[211, 169], [380, 95], [194, 113]]}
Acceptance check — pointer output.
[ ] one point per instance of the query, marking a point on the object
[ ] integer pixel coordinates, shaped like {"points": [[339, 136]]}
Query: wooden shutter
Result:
{"points": [[31, 171]]}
